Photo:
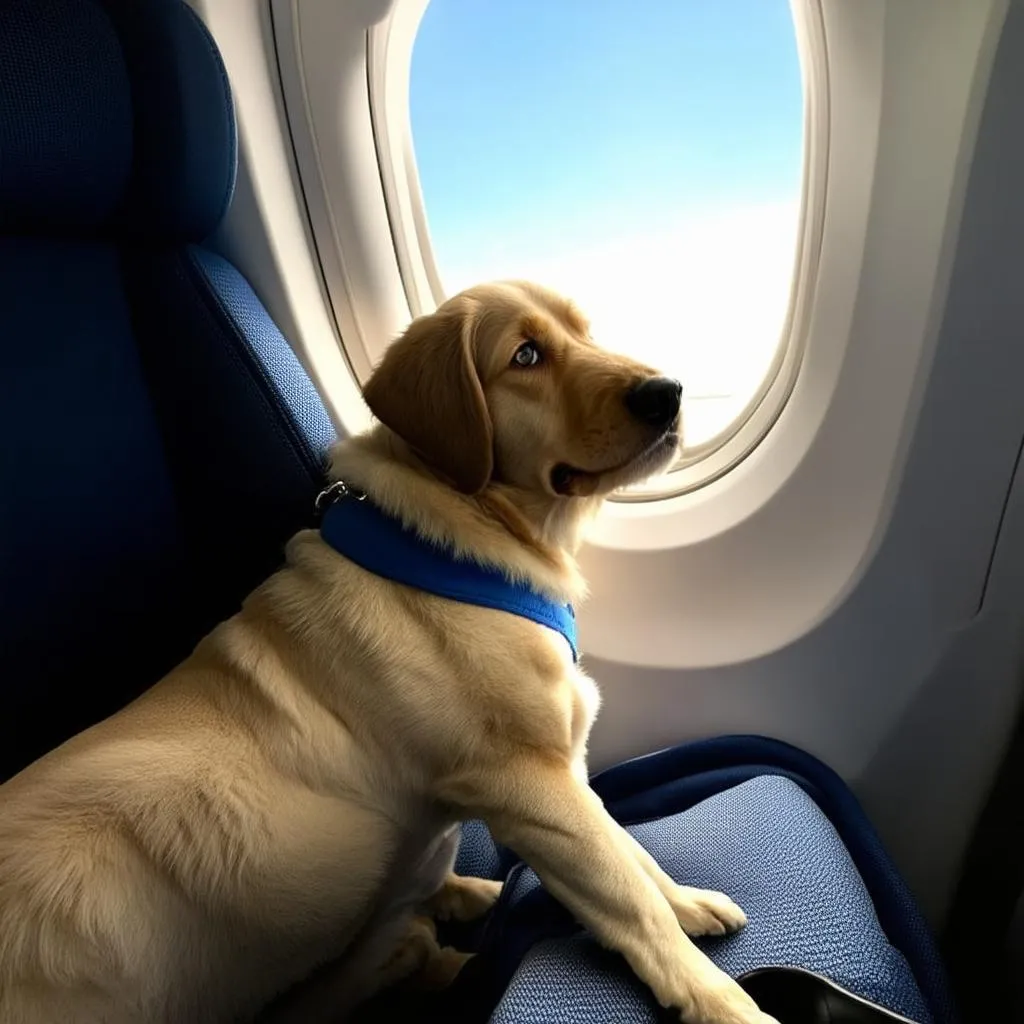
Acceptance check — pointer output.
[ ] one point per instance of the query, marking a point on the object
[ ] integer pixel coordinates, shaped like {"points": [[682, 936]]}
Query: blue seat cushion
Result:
{"points": [[760, 819], [767, 845]]}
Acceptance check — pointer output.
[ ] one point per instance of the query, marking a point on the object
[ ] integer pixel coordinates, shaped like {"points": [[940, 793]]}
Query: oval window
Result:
{"points": [[644, 157]]}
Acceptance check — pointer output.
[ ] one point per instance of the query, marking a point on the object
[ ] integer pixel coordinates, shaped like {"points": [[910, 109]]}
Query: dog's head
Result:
{"points": [[503, 383]]}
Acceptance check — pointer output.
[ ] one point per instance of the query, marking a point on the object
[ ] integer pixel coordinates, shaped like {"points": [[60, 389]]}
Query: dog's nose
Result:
{"points": [[655, 400]]}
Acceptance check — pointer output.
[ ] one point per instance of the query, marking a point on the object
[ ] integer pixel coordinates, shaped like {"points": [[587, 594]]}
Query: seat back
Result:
{"points": [[160, 439]]}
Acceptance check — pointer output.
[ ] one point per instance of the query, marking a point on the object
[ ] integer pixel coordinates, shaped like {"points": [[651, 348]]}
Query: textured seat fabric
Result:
{"points": [[767, 823], [160, 440], [767, 845]]}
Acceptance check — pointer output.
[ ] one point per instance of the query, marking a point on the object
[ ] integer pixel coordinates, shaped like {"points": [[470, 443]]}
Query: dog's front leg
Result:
{"points": [[557, 824], [698, 911]]}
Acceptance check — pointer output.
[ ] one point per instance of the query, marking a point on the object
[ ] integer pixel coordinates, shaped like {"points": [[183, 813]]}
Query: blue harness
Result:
{"points": [[368, 536]]}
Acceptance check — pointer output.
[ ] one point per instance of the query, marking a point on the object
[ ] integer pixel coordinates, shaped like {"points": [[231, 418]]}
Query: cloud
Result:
{"points": [[702, 296]]}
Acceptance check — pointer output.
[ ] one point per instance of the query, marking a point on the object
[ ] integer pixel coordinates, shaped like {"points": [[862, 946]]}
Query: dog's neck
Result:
{"points": [[533, 536]]}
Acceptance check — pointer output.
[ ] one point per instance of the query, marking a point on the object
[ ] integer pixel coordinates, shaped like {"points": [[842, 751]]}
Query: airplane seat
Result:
{"points": [[834, 934], [161, 441]]}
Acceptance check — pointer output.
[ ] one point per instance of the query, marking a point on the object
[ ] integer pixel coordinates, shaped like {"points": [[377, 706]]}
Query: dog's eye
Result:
{"points": [[528, 354]]}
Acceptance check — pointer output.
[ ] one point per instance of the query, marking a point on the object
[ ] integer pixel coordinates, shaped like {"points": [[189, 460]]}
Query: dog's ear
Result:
{"points": [[427, 390]]}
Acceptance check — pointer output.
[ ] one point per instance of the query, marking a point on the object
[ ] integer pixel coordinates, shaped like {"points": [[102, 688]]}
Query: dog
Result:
{"points": [[271, 829]]}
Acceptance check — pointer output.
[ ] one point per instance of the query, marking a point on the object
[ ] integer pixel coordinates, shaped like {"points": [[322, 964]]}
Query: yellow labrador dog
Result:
{"points": [[283, 806]]}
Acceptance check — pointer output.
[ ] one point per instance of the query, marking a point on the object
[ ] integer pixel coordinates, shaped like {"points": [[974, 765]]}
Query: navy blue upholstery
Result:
{"points": [[161, 439], [768, 846], [65, 116]]}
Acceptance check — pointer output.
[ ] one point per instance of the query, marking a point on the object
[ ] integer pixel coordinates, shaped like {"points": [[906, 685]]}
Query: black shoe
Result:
{"points": [[795, 996]]}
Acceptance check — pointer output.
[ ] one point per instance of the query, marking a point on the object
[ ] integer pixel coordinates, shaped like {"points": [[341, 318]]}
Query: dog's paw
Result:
{"points": [[706, 912], [724, 1002], [441, 969], [418, 962], [463, 898]]}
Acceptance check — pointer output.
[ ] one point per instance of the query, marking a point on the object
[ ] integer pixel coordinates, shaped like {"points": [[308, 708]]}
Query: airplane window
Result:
{"points": [[644, 157]]}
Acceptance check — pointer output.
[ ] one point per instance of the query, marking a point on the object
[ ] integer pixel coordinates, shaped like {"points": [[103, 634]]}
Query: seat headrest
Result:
{"points": [[115, 119]]}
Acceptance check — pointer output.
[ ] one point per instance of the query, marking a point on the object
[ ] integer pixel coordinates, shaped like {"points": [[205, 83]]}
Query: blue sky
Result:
{"points": [[590, 116]]}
